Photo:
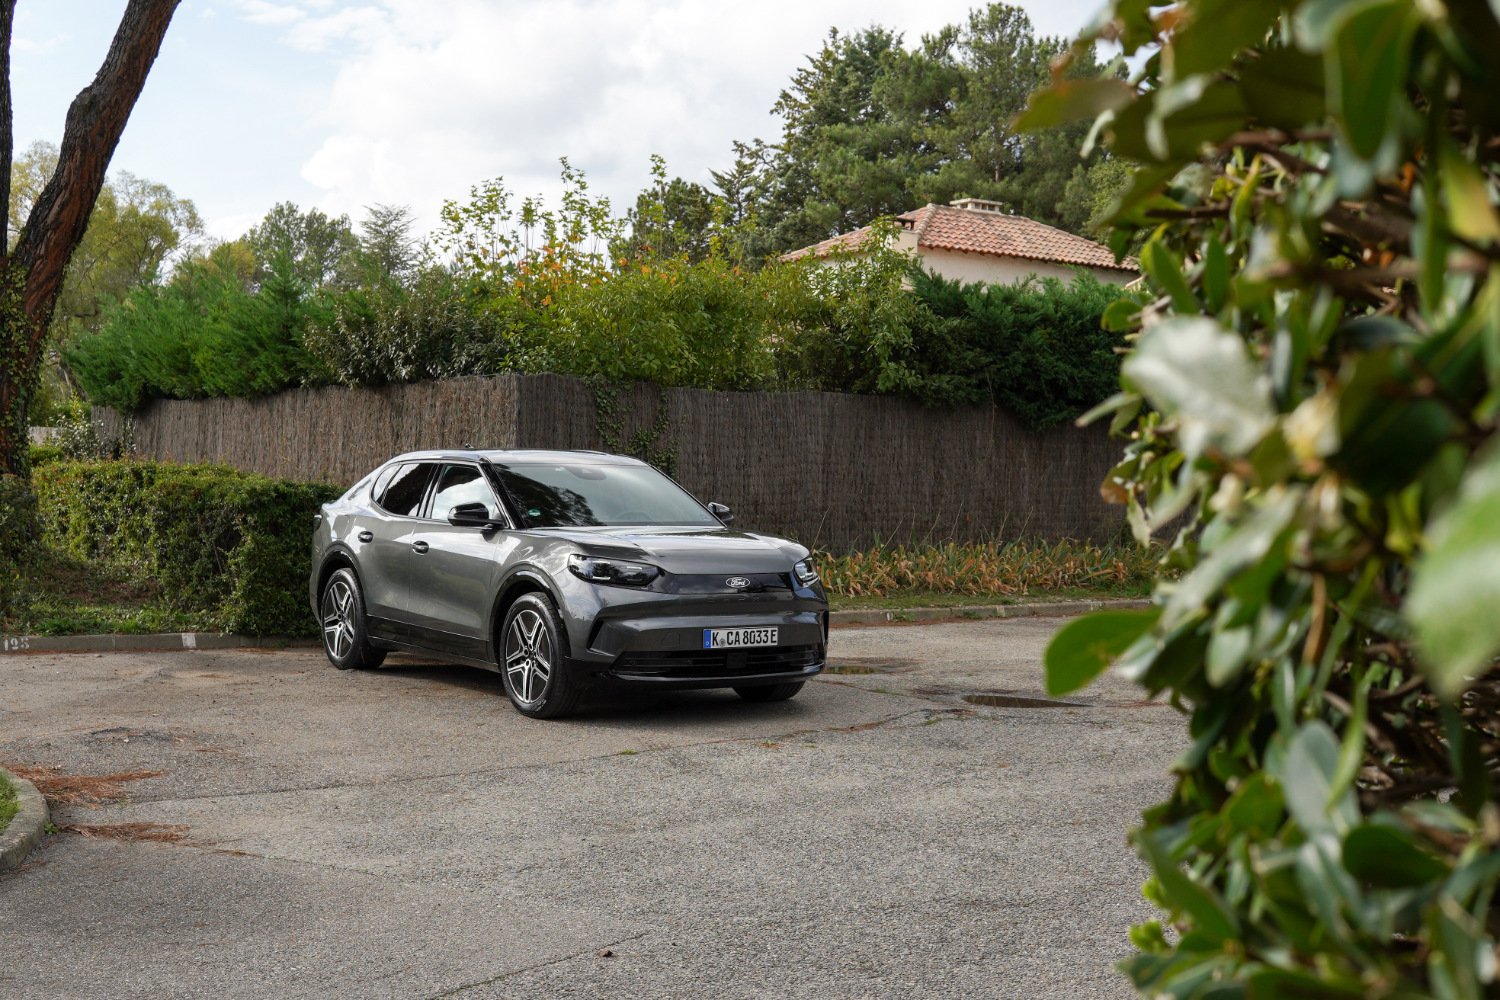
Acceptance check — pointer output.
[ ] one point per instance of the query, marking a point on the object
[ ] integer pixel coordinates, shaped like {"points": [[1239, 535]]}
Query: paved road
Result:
{"points": [[404, 833]]}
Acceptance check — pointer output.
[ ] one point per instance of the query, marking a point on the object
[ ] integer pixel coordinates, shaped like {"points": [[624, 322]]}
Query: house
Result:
{"points": [[977, 240]]}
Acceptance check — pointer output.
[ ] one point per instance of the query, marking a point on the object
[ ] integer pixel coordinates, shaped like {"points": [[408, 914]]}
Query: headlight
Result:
{"points": [[612, 571], [805, 574]]}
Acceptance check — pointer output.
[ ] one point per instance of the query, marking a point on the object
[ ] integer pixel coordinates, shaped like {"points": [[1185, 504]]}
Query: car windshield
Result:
{"points": [[560, 496]]}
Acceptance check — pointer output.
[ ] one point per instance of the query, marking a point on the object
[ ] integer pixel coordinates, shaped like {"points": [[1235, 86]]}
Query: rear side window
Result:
{"points": [[403, 494], [382, 481]]}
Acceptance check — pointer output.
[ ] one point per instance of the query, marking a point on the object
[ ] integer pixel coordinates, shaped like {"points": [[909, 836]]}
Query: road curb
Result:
{"points": [[26, 827], [1051, 609], [170, 641], [142, 643]]}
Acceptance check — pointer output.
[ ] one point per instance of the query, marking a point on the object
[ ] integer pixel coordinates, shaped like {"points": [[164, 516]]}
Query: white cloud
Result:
{"points": [[429, 99]]}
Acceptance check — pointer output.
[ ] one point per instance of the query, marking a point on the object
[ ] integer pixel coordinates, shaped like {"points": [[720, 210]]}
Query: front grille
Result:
{"points": [[718, 662]]}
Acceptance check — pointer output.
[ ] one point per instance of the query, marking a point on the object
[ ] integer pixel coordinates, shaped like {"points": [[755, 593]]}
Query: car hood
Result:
{"points": [[688, 550]]}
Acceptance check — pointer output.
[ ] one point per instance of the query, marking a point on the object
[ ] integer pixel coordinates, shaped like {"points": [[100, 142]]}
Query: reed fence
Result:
{"points": [[835, 471]]}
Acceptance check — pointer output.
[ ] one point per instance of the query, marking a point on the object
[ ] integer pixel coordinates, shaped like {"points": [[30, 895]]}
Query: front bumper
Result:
{"points": [[667, 652], [654, 637]]}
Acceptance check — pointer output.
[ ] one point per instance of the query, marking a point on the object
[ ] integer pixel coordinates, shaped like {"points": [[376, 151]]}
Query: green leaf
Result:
{"points": [[1456, 591], [1284, 88], [1165, 270], [1121, 316], [1216, 30], [1255, 807], [1215, 273], [1471, 214], [1201, 375], [1228, 651], [1246, 547], [1366, 70], [1071, 100], [1086, 646], [1305, 772], [1387, 857], [1209, 913]]}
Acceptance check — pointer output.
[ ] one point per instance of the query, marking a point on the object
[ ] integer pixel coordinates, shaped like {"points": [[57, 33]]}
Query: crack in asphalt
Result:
{"points": [[532, 968]]}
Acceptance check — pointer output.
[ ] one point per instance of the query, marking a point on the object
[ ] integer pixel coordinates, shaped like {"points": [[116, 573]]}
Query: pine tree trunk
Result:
{"points": [[32, 277]]}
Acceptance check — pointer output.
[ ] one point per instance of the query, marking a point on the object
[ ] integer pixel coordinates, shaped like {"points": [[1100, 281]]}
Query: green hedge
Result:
{"points": [[18, 538], [228, 544]]}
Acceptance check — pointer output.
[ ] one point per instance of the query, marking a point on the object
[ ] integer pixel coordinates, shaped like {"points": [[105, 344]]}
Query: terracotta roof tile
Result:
{"points": [[944, 227], [844, 241]]}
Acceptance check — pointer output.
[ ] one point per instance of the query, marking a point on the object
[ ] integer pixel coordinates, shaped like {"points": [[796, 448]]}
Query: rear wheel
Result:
{"points": [[769, 692], [531, 660], [345, 633]]}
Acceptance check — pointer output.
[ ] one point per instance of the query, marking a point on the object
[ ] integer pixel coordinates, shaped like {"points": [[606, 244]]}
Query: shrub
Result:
{"points": [[20, 533], [41, 454], [203, 334], [1037, 348], [436, 328], [229, 544], [1315, 392]]}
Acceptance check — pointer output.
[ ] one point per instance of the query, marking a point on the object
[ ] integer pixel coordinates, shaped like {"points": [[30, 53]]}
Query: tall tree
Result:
{"points": [[136, 228], [387, 249], [871, 127], [321, 248], [32, 271]]}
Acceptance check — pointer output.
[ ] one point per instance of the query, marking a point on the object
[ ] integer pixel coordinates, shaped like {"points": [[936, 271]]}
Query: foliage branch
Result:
{"points": [[1310, 406]]}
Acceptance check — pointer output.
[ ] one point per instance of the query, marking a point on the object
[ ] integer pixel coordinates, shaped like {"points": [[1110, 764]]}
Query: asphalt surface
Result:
{"points": [[404, 833]]}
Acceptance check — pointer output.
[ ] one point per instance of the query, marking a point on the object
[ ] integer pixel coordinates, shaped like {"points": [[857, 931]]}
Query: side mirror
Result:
{"points": [[723, 513], [471, 515]]}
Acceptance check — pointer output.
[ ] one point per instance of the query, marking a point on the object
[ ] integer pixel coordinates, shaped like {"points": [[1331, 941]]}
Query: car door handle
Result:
{"points": [[419, 547], [367, 536]]}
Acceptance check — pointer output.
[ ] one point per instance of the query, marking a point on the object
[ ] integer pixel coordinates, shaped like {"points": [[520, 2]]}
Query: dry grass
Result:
{"points": [[92, 790], [1015, 569], [161, 833]]}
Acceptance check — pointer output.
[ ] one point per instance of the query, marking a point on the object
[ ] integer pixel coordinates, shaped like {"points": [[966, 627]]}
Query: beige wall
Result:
{"points": [[1008, 270]]}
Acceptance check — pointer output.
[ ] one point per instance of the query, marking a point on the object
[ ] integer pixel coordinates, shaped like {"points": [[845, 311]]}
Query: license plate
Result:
{"points": [[738, 638]]}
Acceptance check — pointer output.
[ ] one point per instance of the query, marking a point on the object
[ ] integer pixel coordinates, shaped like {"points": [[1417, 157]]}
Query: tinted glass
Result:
{"points": [[403, 496], [382, 481], [461, 484], [553, 496]]}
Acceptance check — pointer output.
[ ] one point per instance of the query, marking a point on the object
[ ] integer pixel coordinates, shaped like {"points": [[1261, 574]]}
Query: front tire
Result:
{"points": [[531, 661], [769, 692], [346, 636]]}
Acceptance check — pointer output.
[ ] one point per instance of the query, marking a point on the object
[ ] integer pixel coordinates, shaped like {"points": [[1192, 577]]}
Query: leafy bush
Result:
{"points": [[41, 454], [20, 532], [227, 543], [1037, 348], [436, 328], [204, 334], [1316, 393]]}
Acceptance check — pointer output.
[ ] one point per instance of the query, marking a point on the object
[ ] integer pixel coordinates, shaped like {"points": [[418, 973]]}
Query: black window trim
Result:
{"points": [[432, 485]]}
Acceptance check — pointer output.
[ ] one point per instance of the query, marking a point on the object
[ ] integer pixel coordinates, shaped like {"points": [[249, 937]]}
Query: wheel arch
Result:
{"points": [[525, 580], [333, 561]]}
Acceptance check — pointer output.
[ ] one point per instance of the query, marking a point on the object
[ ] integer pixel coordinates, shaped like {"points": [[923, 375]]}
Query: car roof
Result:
{"points": [[518, 456]]}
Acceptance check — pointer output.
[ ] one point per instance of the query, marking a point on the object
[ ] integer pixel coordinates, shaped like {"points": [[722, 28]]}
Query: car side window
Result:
{"points": [[382, 481], [403, 494], [461, 484]]}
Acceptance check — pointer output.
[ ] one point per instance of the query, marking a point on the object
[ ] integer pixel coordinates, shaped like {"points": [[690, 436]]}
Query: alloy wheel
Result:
{"points": [[528, 656], [338, 619]]}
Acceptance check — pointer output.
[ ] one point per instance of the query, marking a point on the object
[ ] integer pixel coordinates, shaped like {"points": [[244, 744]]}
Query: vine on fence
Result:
{"points": [[647, 443]]}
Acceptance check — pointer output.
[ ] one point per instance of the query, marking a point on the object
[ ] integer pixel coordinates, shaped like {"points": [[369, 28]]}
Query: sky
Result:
{"points": [[339, 105]]}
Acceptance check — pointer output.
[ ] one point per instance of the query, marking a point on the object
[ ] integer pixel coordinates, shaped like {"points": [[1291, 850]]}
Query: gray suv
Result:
{"points": [[562, 571]]}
